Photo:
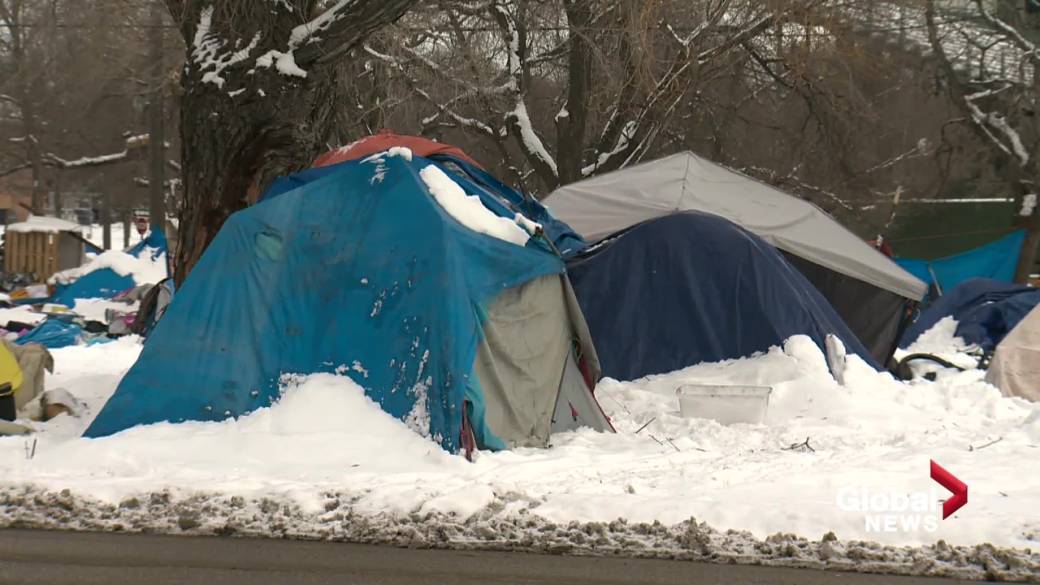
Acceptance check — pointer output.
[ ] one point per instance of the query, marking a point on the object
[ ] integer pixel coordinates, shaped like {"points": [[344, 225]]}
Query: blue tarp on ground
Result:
{"points": [[693, 287], [348, 268], [53, 333], [996, 260], [106, 283], [986, 310]]}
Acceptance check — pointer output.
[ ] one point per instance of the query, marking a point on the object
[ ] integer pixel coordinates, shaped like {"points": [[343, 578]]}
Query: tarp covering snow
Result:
{"points": [[112, 272], [985, 311], [605, 204], [360, 271], [996, 260], [691, 288]]}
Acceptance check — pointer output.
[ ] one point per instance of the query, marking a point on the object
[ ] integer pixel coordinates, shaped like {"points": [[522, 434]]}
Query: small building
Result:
{"points": [[42, 246]]}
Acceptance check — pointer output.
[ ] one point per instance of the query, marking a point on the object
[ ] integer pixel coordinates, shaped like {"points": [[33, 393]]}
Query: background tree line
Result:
{"points": [[856, 106]]}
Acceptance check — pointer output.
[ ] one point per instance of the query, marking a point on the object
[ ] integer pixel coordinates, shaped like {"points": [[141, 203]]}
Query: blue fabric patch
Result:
{"points": [[996, 260]]}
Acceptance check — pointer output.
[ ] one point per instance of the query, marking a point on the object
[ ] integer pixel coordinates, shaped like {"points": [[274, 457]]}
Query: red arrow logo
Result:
{"points": [[958, 487]]}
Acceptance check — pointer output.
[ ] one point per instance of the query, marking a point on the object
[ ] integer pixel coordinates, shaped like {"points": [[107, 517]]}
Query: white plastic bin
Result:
{"points": [[725, 404]]}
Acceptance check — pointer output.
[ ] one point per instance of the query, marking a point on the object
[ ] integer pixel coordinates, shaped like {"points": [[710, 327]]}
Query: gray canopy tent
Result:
{"points": [[870, 292]]}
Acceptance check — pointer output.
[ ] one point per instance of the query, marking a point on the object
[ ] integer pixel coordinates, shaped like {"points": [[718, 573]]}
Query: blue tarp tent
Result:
{"points": [[693, 287], [360, 265], [986, 310], [996, 261], [106, 283]]}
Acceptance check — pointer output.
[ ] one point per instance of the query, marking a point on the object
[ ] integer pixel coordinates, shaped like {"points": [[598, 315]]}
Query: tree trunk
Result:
{"points": [[234, 151], [259, 99]]}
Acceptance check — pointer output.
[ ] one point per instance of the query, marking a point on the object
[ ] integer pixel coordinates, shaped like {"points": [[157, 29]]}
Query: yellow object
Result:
{"points": [[10, 372]]}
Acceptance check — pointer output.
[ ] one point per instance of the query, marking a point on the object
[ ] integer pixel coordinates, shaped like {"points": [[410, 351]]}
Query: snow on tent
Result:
{"points": [[1015, 367], [986, 311], [869, 291], [423, 287], [109, 273], [564, 239], [692, 287]]}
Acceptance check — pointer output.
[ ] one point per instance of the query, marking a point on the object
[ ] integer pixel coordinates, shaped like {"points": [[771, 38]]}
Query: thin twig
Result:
{"points": [[993, 442], [646, 425], [797, 446]]}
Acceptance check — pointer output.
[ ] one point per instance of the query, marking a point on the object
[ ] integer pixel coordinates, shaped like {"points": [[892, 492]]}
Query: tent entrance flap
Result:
{"points": [[525, 363], [575, 405]]}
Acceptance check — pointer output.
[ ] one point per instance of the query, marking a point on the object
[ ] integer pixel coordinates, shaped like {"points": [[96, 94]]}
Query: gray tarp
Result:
{"points": [[602, 205], [525, 363], [1015, 368]]}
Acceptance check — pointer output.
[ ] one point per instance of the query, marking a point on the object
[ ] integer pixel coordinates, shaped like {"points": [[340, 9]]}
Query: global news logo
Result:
{"points": [[893, 510]]}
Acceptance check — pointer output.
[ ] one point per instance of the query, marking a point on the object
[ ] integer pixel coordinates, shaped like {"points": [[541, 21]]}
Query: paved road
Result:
{"points": [[36, 557]]}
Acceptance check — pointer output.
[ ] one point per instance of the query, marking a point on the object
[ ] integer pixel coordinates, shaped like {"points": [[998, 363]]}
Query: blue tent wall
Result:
{"points": [[996, 260], [985, 309], [106, 283], [690, 288], [343, 268]]}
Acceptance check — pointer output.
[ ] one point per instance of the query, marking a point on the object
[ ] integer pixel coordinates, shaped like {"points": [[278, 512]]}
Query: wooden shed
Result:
{"points": [[42, 246]]}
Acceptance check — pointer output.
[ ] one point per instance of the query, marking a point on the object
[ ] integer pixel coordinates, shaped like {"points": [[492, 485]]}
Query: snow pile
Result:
{"points": [[468, 209], [325, 462], [941, 341], [143, 269], [37, 223]]}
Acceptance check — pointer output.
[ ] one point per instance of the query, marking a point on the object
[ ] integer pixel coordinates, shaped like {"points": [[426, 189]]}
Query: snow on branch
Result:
{"points": [[992, 126], [1010, 32], [133, 143], [1006, 138], [207, 47], [628, 132], [517, 119], [442, 109], [337, 29]]}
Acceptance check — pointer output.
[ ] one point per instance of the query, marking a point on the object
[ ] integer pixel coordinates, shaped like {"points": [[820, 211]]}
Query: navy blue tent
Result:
{"points": [[693, 287], [360, 271], [985, 309]]}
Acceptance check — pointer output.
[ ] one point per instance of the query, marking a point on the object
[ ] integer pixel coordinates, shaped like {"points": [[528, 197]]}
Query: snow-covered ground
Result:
{"points": [[325, 462]]}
